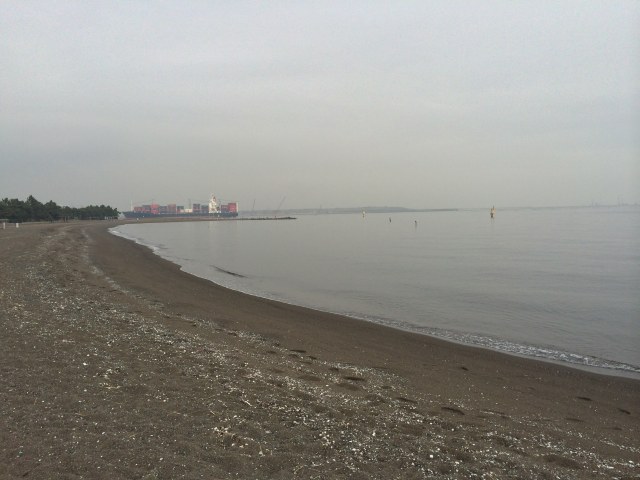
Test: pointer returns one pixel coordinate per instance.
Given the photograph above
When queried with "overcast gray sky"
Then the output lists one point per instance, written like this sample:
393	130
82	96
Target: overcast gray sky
419	104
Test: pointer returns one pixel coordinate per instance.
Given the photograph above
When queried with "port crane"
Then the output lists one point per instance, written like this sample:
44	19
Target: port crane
280	205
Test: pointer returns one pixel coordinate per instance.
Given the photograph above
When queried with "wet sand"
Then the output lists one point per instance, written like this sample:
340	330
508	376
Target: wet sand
115	364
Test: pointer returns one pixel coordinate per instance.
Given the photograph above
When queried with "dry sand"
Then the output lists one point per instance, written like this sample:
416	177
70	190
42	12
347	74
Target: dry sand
115	364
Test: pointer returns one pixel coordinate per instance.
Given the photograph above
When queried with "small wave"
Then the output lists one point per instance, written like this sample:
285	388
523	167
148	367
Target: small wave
228	272
530	351
542	353
118	233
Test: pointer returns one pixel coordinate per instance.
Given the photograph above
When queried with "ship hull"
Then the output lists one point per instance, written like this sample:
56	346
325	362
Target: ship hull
137	215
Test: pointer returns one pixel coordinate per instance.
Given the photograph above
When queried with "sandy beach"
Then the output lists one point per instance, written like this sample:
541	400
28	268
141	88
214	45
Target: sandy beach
115	364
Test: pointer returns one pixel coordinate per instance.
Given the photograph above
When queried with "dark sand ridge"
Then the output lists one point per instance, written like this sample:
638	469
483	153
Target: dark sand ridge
114	363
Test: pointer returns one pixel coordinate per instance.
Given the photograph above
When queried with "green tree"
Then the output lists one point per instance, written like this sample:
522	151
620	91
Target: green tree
32	210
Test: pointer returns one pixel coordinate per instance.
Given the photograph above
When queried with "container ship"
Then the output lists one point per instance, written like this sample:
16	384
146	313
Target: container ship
214	209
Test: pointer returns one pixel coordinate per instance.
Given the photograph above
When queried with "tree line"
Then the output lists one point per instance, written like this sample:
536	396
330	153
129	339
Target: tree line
31	210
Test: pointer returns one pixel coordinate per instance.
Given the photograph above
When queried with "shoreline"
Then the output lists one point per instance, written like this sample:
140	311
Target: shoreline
517	349
115	363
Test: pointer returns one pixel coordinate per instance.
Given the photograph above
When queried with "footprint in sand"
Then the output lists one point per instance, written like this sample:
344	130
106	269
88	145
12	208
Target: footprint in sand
348	386
562	461
453	410
354	378
406	400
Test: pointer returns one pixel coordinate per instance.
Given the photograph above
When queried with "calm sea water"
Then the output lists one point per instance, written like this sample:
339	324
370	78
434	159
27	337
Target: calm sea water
560	284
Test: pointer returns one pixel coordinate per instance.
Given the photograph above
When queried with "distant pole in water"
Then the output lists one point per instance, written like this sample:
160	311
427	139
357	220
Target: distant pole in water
492	213
416	223
389	219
